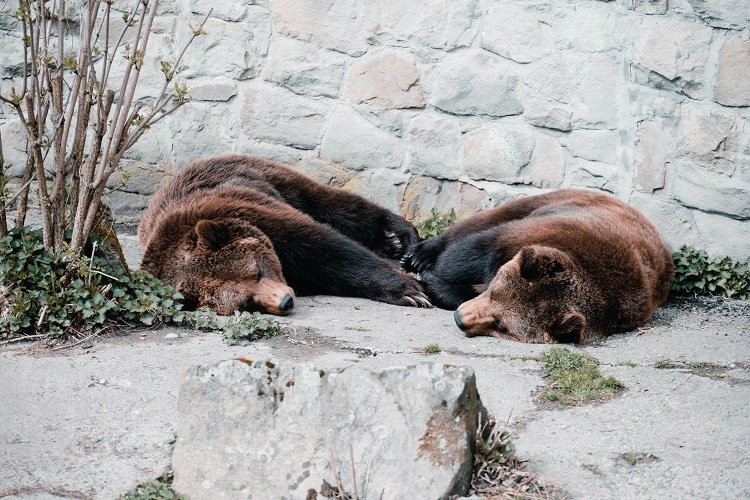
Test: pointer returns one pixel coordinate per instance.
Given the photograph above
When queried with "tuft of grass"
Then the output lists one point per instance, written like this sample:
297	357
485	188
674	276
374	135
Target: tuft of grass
575	378
432	349
156	489
435	224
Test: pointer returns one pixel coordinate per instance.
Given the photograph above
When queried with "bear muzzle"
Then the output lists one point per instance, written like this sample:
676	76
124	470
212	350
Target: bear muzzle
273	297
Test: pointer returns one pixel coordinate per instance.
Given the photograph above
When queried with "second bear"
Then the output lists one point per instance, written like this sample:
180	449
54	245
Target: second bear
566	266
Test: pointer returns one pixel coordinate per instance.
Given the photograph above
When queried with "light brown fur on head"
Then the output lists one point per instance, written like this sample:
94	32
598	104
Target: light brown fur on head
226	265
529	300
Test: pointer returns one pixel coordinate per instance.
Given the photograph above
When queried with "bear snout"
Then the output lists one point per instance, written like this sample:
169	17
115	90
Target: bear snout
287	303
459	320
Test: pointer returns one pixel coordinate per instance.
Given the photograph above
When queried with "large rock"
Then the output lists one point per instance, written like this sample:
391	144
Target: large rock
498	152
730	14
595	103
711	191
281	117
422	194
595	145
388	81
434	146
732	82
585	27
651	149
303	68
476	83
332	24
524	40
420	23
709	137
672	55
358	144
268	430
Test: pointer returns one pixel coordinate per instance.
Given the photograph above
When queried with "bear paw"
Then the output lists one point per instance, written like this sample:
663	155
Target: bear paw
424	255
398	238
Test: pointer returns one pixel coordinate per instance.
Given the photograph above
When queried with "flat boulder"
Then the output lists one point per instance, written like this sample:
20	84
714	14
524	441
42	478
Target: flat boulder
268	429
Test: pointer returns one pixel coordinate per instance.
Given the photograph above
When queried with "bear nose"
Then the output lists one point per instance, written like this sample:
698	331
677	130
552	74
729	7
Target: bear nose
459	320
287	302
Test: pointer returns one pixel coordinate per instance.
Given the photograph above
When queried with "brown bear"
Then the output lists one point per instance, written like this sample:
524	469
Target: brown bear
566	266
243	233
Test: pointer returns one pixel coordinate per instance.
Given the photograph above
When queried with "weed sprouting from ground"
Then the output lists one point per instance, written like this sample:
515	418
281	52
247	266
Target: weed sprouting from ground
575	378
435	224
156	489
240	329
432	349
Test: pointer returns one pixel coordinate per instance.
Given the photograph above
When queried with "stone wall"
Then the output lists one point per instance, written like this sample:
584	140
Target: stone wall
465	104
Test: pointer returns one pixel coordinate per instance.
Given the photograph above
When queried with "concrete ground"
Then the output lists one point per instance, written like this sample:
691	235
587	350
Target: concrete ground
93	420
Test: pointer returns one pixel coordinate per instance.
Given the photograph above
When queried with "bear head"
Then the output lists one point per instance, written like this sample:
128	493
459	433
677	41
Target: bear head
226	265
538	297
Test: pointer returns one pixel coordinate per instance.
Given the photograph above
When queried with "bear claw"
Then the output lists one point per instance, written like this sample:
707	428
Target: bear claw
418	300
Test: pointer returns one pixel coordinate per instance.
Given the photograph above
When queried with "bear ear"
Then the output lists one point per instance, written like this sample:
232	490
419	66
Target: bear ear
212	235
537	263
569	328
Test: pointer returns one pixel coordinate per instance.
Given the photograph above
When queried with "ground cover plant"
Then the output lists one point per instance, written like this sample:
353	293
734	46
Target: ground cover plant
64	296
696	272
435	224
575	378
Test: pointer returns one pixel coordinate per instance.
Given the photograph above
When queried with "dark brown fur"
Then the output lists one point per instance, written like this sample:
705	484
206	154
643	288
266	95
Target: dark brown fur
565	266
231	232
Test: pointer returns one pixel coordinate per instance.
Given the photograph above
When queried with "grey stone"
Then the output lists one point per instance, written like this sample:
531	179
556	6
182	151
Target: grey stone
594	145
257	430
732	82
594	103
650	6
543	112
434	146
332	24
523	40
126	207
422	194
676	223
198	130
325	172
730	14
388	81
281	117
711	191
720	236
584	27
547	165
552	78
229	49
219	89
709	137
671	55
420	23
303	68
475	83
651	156
498	151
357	144
384	187
594	174
226	11
14	146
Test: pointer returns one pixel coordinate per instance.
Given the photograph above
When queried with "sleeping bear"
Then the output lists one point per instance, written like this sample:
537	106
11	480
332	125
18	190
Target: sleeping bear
244	233
566	266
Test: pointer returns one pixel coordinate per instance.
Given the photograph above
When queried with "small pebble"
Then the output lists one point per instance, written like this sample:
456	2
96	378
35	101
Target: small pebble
172	336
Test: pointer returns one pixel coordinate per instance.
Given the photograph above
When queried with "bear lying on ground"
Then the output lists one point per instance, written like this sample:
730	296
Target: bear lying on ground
565	266
244	233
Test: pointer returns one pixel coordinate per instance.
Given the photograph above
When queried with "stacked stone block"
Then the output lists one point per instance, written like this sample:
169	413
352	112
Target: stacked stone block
465	104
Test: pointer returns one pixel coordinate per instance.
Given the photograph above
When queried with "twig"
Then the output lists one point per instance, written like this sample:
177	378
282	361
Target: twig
79	342
28	337
335	474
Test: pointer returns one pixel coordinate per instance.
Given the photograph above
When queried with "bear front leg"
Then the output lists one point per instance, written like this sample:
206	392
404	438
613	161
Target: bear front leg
424	255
